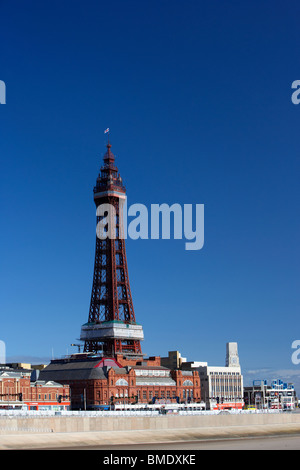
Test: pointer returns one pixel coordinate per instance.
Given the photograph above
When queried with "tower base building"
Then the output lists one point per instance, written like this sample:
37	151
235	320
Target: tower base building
97	382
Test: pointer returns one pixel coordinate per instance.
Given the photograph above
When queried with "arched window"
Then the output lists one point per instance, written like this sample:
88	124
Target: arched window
122	382
188	383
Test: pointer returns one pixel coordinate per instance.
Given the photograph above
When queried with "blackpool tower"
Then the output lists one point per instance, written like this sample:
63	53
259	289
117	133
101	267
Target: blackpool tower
111	328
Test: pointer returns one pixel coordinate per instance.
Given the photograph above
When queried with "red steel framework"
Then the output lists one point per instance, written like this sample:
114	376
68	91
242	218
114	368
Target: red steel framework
111	305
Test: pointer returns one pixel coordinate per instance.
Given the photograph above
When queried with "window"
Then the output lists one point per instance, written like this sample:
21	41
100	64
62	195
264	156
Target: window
122	382
188	383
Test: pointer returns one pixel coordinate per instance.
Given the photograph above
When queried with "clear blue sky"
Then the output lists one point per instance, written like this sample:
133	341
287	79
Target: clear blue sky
197	95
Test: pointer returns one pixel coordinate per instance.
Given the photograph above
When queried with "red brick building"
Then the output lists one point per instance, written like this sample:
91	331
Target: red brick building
96	381
17	391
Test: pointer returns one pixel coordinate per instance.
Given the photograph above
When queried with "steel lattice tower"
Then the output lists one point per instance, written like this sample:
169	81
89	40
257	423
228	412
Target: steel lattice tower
111	327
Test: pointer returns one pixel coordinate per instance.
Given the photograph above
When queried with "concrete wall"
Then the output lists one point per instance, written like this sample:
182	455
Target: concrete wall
62	432
73	424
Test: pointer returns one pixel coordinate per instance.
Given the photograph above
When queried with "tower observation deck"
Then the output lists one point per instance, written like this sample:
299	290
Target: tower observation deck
111	328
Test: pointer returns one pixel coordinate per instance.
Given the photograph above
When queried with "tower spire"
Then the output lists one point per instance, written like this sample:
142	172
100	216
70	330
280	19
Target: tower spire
109	156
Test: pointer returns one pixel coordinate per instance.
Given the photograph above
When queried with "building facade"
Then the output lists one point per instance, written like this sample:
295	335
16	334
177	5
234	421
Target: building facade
174	360
19	392
279	395
96	381
221	386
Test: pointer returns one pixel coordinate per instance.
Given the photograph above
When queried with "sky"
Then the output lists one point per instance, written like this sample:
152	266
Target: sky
197	97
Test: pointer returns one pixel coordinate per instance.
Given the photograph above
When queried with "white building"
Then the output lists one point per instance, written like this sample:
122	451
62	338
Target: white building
221	387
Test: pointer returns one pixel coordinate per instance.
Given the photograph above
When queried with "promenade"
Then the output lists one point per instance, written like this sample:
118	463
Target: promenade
61	431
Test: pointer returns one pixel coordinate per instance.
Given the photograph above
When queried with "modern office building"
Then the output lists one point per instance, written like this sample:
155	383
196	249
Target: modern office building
221	386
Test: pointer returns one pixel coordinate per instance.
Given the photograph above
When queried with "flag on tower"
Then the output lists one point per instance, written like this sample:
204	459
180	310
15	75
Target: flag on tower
106	130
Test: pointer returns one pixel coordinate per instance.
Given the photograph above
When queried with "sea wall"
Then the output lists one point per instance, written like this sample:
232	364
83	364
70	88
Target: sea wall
56	432
59	424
